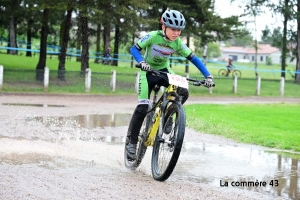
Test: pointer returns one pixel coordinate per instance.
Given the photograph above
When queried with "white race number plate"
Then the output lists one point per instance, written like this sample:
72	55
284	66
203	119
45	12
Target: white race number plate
178	80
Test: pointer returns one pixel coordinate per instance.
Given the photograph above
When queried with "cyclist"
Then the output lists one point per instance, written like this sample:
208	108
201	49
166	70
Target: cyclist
106	56
159	45
229	65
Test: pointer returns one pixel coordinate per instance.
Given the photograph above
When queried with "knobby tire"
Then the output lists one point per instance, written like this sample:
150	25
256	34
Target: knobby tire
163	164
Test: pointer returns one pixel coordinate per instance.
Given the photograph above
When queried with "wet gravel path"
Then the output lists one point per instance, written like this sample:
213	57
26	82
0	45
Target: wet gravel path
53	161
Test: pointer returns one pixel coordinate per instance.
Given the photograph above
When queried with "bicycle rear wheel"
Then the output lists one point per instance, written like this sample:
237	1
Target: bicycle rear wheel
222	73
141	147
168	143
236	73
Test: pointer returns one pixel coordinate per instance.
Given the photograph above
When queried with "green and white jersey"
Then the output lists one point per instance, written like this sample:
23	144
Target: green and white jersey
159	50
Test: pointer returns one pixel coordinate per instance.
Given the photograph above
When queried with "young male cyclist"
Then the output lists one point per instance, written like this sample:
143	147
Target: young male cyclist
159	45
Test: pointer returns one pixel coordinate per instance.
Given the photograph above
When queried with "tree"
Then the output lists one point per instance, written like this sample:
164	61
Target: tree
284	8
244	41
85	36
30	23
65	40
125	20
297	74
12	8
43	45
213	49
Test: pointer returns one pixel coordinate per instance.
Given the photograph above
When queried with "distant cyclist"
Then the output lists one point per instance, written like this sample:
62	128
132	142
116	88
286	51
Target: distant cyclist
159	46
106	56
229	65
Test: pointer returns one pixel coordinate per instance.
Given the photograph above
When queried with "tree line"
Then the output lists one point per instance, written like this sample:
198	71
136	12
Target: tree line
287	40
98	18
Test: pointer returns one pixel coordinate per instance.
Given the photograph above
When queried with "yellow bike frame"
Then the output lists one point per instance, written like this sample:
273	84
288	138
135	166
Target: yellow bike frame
154	128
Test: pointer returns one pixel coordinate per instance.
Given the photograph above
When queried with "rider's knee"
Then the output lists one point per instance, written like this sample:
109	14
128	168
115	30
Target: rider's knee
141	110
184	93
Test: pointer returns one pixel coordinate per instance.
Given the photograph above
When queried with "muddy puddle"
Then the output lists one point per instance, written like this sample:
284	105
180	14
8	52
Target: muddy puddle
89	121
259	170
275	173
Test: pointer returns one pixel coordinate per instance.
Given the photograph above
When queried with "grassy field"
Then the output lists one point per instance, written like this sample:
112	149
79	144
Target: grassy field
22	69
265	71
269	125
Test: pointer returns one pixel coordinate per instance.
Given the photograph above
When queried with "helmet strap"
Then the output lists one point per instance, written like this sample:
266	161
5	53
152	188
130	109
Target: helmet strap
166	37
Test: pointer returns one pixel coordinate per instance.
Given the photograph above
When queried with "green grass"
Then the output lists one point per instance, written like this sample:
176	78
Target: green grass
270	84
247	69
269	125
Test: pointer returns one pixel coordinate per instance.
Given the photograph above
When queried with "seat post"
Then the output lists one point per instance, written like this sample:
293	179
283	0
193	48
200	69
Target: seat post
155	89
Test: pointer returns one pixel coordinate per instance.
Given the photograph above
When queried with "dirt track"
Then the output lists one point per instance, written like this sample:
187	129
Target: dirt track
53	162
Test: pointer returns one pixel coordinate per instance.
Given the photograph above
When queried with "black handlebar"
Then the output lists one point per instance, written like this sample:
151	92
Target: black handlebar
138	65
195	81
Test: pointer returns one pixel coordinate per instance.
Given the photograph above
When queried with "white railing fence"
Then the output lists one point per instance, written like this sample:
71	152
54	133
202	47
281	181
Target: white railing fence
113	81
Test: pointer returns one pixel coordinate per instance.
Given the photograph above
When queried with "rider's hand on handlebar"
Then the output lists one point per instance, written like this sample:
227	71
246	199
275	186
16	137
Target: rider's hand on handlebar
209	82
145	66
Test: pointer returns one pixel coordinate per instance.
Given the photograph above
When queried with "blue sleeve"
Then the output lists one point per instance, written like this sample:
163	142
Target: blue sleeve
197	62
136	54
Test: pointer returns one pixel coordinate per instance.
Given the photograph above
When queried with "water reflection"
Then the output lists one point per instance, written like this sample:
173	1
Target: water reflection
112	120
221	165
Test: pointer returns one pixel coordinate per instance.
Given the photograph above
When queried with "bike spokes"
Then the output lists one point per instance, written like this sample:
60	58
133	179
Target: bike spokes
167	146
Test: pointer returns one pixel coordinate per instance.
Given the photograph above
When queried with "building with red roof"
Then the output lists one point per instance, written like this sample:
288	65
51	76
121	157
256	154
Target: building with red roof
247	54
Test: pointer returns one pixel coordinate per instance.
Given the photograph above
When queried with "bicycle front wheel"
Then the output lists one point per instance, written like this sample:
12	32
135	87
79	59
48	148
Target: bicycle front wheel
168	143
236	73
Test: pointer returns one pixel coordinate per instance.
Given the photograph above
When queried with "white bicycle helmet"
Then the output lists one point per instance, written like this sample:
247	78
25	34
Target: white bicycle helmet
173	19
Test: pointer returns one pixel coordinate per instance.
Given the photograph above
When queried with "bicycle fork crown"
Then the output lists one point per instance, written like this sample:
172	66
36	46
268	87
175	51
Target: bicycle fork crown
172	88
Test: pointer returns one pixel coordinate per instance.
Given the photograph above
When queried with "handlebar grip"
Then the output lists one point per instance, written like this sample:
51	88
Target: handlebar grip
138	65
199	83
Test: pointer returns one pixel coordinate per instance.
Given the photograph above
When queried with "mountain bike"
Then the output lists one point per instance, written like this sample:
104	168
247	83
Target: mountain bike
163	127
234	72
